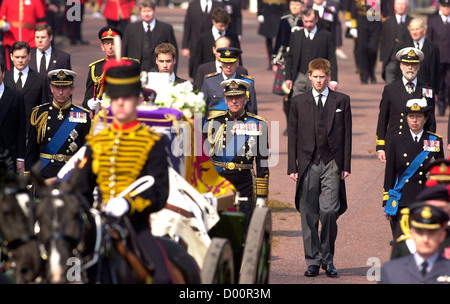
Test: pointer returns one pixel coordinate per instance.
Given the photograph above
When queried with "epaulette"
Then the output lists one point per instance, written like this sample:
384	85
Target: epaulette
81	108
248	77
439	136
256	116
95	62
42	105
215	115
129	58
212	74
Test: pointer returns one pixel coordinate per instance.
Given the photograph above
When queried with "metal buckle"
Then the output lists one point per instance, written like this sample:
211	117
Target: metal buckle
60	157
231	166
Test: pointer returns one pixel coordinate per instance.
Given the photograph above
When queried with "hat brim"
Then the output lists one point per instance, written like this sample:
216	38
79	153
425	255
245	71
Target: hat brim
228	60
418	225
61	83
235	93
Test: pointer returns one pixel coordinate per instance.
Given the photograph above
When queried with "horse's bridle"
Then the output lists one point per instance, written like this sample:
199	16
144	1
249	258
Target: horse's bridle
24	239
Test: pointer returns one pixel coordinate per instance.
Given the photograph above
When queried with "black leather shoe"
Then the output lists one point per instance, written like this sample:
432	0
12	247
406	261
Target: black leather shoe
364	81
373	79
330	270
312	271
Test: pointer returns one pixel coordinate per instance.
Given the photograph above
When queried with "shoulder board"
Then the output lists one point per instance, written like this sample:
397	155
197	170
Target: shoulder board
217	115
246	76
95	62
255	116
42	105
212	74
129	58
439	136
81	108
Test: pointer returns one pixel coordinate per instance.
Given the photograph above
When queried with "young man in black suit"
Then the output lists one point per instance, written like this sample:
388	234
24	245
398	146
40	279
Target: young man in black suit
45	57
25	80
166	55
391	118
220	21
215	65
12	126
319	160
304	46
141	38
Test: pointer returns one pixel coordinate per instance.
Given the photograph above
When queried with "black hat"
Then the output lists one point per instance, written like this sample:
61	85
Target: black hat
61	77
234	87
424	216
229	54
109	32
409	55
417	105
122	78
435	193
444	2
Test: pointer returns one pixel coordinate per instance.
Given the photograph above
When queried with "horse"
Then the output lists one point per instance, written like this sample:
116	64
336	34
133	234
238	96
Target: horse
84	245
17	228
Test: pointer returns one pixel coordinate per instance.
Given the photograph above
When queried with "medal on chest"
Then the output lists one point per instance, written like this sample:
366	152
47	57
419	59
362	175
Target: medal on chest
431	145
79	117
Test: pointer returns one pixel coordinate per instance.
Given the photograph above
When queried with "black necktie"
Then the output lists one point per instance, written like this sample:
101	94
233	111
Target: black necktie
320	104
416	139
423	270
149	35
43	66
19	82
417	45
206	8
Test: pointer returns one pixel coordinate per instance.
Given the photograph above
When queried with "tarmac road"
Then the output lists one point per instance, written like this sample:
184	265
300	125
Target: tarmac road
364	234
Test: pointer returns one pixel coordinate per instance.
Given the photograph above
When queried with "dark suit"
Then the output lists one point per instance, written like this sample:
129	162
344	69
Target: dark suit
330	20
209	68
134	42
402	151
234	9
203	52
12	124
391	118
302	50
308	133
405	271
58	60
439	33
34	91
392	34
196	22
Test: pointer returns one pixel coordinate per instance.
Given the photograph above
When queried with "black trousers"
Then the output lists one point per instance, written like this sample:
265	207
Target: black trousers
367	46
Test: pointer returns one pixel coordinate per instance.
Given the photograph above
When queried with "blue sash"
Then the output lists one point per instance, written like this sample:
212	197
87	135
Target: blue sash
395	194
59	138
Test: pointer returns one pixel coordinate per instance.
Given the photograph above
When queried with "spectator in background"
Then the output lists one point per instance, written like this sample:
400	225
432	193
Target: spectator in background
118	13
74	19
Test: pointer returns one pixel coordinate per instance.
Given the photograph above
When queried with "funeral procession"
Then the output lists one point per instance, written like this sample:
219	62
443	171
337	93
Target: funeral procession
266	143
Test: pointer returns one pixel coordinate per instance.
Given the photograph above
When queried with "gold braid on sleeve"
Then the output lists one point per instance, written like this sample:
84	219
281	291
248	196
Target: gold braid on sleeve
219	134
262	186
40	123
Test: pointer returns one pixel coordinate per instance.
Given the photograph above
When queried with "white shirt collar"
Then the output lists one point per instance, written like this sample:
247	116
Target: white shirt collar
2	89
172	77
419	260
419	136
218	67
400	18
421	41
226	78
324	94
312	33
405	81
24	72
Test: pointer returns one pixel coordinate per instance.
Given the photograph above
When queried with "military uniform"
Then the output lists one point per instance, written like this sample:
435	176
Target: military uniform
94	87
56	132
404	152
119	155
214	93
391	118
236	143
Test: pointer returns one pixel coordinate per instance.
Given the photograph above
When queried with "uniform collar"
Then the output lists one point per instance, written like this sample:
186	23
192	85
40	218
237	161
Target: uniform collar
116	126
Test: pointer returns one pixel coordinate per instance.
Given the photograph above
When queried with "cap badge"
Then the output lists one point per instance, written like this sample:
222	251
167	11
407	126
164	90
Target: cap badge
426	212
228	53
415	107
443	168
234	85
110	32
61	75
412	53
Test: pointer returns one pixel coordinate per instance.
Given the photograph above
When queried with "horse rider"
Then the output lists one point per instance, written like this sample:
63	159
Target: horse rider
120	154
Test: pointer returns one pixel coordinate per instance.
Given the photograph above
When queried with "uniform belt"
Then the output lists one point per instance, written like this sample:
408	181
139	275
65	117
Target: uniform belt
232	166
27	25
57	157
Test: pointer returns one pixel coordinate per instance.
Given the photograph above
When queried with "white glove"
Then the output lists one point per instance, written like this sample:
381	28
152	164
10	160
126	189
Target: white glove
348	24
260	18
133	18
354	32
260	202
96	15
5	26
117	207
93	104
